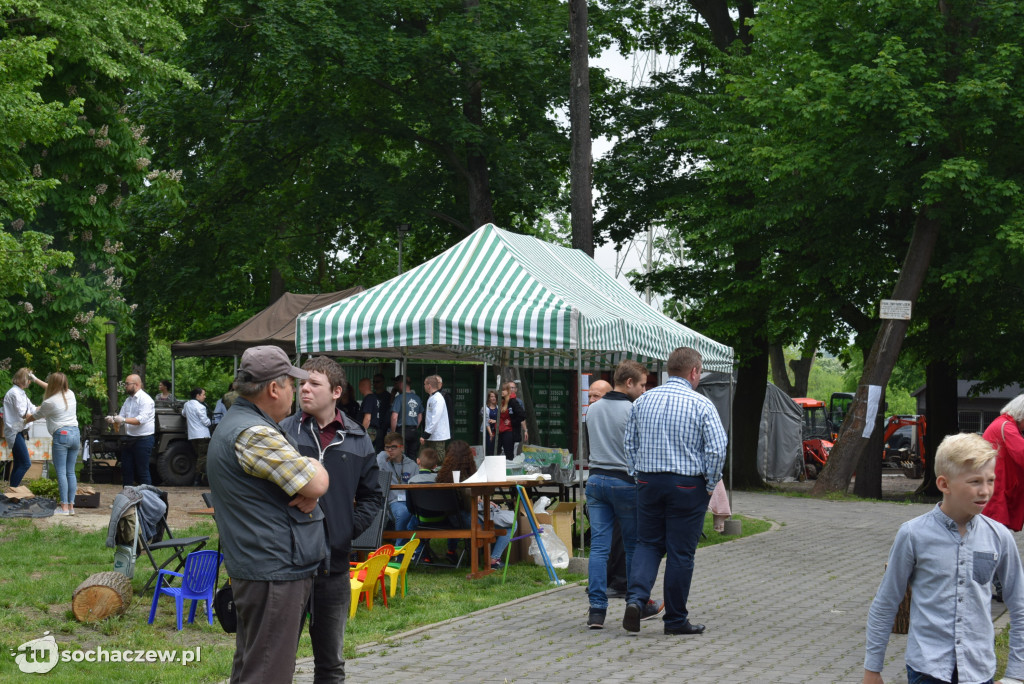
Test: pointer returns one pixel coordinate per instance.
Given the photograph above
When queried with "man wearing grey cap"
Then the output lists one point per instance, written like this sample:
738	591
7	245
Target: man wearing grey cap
271	527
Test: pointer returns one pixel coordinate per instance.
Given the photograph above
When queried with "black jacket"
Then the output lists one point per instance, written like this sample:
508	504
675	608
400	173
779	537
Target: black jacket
351	463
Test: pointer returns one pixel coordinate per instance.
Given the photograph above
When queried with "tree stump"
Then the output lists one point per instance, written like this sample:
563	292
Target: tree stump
100	596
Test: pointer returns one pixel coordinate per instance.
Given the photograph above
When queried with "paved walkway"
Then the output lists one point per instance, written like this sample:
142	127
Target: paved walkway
787	606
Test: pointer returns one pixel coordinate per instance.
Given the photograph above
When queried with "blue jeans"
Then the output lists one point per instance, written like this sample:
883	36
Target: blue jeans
135	461
670	518
66	445
331	596
608	499
915	677
499	545
22	462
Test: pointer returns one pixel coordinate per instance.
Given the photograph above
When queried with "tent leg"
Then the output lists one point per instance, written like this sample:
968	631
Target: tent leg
579	435
483	414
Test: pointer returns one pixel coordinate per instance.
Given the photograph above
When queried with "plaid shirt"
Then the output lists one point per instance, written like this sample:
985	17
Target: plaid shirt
265	453
673	429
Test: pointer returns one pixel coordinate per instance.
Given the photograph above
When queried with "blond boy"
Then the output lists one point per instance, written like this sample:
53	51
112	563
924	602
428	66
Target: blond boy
948	557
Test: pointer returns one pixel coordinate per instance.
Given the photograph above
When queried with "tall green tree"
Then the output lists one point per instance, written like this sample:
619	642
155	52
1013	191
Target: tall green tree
71	153
321	126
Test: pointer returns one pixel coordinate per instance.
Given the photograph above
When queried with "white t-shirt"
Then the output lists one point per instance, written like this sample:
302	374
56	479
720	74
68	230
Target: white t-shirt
56	414
16	405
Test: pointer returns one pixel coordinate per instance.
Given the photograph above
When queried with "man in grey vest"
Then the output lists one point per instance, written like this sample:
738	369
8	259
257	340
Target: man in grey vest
271	526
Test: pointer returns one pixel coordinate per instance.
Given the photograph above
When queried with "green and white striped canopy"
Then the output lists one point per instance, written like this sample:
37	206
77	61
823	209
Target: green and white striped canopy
503	298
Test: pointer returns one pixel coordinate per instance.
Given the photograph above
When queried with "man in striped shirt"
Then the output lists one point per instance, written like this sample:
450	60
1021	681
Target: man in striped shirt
676	445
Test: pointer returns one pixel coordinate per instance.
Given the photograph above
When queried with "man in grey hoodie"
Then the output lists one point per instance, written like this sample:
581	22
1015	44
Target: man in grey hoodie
611	489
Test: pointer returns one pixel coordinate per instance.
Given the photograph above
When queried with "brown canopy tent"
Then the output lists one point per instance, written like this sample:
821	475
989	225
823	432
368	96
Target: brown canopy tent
273	325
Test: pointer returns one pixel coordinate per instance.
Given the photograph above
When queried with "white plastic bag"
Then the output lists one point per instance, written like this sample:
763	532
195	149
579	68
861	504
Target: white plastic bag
557	552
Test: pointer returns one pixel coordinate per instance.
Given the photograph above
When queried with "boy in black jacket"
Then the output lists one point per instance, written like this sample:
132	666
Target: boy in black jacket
322	432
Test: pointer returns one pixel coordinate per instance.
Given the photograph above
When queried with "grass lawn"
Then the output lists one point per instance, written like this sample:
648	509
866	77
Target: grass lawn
42	567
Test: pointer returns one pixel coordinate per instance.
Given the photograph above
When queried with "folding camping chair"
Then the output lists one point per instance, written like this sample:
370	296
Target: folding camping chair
139	521
370	538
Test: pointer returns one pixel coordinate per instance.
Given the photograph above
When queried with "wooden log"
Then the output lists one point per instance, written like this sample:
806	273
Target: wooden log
100	596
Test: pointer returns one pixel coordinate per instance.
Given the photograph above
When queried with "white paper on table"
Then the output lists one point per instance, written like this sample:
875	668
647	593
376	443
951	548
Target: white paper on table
494	468
479	476
874	394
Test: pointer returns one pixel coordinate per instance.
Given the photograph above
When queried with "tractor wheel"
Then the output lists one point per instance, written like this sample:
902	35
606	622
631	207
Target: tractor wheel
177	465
811	470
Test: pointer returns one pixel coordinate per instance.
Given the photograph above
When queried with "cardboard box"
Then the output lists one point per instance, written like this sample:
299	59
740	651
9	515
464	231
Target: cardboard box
562	514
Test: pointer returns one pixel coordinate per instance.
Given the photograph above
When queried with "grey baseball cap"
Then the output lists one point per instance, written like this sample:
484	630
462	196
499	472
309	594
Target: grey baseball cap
267	363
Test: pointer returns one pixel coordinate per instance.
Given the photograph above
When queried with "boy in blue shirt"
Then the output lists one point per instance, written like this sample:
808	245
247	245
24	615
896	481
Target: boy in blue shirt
948	557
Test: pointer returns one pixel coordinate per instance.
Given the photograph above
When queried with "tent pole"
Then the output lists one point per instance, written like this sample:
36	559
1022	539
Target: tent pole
579	432
483	421
732	390
403	406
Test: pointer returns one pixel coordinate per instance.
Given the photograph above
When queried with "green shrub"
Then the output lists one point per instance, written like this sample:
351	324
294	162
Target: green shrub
45	488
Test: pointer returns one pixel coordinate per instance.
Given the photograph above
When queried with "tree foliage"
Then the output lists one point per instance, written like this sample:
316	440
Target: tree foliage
320	127
71	153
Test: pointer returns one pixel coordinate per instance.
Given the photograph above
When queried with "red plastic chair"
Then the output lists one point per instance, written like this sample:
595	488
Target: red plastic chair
389	551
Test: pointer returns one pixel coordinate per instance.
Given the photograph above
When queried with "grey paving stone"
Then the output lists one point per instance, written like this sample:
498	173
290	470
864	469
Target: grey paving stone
785	606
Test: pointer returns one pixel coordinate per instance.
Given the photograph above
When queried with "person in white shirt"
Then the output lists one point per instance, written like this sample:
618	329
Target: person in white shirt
60	410
198	421
138	413
16	407
436	431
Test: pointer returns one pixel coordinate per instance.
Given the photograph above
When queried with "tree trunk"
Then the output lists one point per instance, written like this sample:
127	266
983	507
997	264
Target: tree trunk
940	398
802	371
481	204
580	194
869	468
751	382
780	374
885	351
101	595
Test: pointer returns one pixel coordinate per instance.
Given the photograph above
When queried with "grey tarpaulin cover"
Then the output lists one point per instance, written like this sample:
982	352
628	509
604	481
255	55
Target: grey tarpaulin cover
780	450
780	443
36	507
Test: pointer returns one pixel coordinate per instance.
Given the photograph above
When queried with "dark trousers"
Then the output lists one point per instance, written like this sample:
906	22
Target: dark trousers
269	619
412	441
617	579
22	462
915	677
199	448
135	461
331	597
508	444
670	518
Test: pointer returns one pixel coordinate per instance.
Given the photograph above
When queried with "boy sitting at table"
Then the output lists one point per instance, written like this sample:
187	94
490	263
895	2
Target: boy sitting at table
427	461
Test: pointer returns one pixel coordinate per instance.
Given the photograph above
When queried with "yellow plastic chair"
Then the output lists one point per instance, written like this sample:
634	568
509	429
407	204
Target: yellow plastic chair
396	571
364	578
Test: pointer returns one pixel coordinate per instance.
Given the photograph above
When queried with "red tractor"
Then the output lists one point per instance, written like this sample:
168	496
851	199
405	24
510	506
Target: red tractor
817	435
904	445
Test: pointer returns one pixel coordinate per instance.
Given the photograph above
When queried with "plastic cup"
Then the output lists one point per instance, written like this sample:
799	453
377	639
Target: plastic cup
455	476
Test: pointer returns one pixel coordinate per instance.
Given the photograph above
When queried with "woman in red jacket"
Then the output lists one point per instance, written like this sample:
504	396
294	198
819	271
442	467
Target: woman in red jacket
1007	502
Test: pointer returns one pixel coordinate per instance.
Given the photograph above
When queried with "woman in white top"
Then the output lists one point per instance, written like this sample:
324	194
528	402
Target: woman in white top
60	409
16	407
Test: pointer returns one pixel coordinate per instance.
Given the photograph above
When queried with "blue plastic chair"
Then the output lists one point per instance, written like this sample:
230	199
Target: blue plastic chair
198	582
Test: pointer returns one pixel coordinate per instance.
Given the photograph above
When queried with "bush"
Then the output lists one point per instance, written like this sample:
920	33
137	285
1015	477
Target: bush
48	489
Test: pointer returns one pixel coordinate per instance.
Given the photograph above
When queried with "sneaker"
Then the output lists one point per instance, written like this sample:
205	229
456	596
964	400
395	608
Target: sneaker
596	618
453	558
652	609
631	619
495	564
